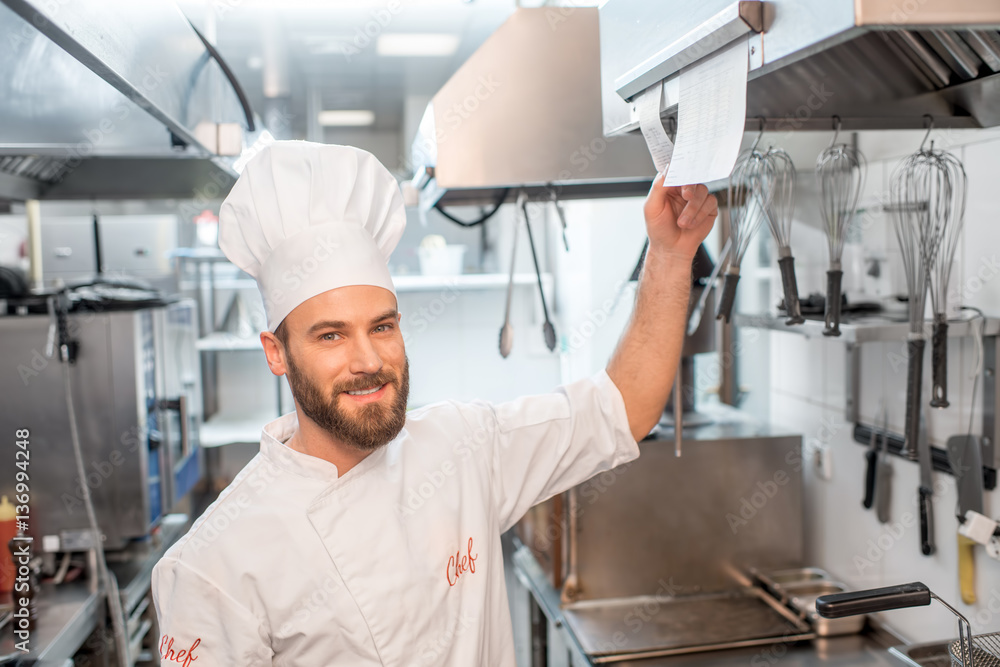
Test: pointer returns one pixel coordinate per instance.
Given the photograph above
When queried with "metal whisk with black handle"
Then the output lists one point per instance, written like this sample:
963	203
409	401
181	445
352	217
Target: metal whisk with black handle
945	185
909	218
840	173
779	219
749	195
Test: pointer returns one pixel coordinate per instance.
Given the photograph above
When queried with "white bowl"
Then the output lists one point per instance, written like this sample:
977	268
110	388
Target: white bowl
446	261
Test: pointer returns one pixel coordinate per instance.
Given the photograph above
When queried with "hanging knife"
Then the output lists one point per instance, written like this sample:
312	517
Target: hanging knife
883	474
965	457
871	460
926	490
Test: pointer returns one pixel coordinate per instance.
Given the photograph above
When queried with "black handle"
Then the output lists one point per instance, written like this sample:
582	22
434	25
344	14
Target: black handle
939	363
873	600
926	522
914	385
791	288
871	457
728	297
833	303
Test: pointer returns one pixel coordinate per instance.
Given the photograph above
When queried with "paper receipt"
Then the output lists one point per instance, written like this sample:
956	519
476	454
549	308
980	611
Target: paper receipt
711	117
659	144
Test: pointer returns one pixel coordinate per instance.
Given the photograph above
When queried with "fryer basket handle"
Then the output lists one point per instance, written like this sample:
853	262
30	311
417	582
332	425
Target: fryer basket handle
869	601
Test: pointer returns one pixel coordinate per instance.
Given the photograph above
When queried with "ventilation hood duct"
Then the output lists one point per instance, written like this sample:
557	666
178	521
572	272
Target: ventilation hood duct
877	64
114	99
524	112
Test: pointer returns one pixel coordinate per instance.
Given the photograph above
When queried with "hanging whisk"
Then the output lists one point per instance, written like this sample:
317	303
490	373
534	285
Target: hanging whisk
840	172
750	187
911	216
779	219
939	178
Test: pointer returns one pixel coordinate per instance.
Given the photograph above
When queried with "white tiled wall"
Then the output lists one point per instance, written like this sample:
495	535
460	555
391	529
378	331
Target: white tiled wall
808	395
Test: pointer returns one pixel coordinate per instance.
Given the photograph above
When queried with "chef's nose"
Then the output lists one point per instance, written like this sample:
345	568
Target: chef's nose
365	359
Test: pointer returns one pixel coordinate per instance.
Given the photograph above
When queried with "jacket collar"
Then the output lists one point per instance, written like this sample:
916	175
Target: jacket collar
273	448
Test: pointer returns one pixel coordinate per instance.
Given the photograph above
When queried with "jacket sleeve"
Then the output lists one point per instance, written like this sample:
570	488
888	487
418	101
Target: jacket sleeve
200	624
548	443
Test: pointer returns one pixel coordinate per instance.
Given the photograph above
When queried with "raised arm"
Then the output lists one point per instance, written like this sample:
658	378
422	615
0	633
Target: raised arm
643	365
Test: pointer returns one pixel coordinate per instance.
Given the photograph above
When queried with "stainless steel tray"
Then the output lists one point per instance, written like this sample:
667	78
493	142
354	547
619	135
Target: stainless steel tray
649	626
778	580
929	654
802	598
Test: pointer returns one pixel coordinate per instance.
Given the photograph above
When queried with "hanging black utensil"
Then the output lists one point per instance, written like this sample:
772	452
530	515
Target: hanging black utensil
547	328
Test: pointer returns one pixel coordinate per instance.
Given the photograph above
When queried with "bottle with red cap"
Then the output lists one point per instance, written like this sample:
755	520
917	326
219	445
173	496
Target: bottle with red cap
8	529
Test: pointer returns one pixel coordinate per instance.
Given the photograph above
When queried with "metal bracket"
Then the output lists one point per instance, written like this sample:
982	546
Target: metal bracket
852	380
990	398
732	22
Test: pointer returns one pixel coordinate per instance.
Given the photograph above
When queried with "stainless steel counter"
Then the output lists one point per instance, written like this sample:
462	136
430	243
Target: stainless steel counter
69	613
867	649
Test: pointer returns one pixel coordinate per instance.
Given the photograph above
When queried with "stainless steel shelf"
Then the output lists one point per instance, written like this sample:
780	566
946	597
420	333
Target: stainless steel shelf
229	429
466	281
868	329
221	341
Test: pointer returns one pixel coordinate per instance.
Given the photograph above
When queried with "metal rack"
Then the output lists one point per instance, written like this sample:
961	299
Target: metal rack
869	329
212	342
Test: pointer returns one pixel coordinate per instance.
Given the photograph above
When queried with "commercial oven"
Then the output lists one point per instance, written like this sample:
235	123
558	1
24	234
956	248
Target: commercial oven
135	386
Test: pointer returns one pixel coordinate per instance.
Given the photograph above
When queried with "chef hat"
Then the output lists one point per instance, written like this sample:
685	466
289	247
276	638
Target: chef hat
304	218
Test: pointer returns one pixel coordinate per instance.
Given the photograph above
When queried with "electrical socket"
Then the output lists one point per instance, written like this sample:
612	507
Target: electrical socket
823	461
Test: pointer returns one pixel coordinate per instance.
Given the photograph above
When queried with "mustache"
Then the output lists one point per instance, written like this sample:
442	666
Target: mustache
368	381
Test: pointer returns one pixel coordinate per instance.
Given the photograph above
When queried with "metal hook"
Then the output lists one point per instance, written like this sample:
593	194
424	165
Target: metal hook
836	131
929	124
760	133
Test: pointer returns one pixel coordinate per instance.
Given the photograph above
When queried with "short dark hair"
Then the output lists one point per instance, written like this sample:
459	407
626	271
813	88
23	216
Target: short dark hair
281	333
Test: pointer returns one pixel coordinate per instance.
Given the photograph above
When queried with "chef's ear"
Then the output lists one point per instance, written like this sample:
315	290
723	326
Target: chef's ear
274	350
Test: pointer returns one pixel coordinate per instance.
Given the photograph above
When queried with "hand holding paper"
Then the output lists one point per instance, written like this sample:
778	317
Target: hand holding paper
678	218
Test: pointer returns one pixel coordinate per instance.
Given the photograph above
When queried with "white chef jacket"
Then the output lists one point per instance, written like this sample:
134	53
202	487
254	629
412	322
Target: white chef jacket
398	561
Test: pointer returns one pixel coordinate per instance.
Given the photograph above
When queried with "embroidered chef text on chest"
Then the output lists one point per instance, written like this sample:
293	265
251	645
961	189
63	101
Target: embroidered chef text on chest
182	656
459	564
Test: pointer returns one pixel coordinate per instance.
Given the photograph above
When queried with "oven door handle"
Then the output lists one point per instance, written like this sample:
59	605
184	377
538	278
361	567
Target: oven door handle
180	404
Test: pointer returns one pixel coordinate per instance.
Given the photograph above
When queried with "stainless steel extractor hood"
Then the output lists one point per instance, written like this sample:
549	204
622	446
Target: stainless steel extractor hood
524	112
113	99
876	64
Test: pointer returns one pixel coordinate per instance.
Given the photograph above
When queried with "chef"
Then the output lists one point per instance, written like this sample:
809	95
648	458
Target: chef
363	534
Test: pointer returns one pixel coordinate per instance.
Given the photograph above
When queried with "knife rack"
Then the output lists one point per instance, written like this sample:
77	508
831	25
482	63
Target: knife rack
988	409
939	457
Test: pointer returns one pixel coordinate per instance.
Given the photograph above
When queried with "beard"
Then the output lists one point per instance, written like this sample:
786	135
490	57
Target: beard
372	425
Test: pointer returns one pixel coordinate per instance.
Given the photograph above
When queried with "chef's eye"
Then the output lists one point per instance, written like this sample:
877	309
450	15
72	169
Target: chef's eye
328	336
382	328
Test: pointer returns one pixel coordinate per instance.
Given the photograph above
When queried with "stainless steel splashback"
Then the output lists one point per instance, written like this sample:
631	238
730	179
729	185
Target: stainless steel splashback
878	64
663	525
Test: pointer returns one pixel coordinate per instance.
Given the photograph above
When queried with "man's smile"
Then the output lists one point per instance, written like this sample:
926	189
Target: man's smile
368	395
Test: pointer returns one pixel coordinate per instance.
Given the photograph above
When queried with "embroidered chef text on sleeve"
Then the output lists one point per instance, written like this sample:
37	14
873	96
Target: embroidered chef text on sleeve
202	625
